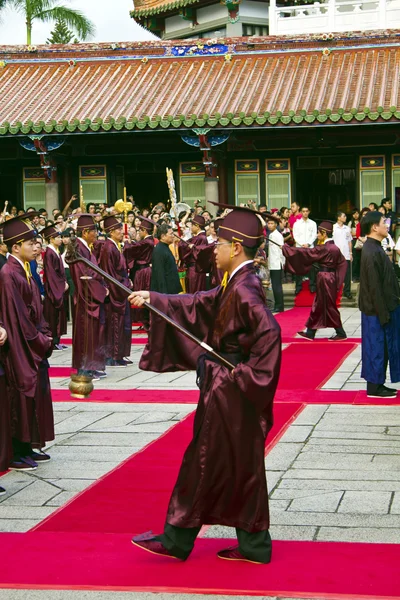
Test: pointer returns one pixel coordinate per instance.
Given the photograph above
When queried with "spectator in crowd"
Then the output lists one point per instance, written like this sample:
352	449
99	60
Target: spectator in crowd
387	204
373	206
275	263
263	208
164	276
379	302
304	235
295	214
91	208
3	252
355	219
344	241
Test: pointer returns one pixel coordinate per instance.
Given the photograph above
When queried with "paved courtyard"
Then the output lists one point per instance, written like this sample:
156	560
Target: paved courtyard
333	476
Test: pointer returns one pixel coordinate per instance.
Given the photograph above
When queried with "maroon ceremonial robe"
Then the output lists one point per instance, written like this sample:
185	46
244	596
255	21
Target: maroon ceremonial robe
54	286
25	361
138	257
118	312
6	451
196	274
330	278
206	261
88	336
222	477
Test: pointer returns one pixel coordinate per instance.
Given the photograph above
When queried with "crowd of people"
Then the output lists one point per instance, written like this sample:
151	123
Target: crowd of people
154	250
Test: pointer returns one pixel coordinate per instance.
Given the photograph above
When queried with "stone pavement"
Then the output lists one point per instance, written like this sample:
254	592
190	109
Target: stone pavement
333	476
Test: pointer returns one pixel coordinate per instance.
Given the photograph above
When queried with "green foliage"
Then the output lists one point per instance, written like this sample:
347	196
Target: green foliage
61	34
49	11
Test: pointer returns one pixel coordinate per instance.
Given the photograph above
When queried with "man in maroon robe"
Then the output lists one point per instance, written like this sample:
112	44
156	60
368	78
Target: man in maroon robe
55	286
118	310
222	477
138	256
189	253
5	414
330	278
28	345
88	336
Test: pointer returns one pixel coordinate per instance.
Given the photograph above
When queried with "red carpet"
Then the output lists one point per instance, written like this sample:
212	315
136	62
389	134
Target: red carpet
307	367
134	497
290	340
292	321
191	397
305	297
136	340
110	562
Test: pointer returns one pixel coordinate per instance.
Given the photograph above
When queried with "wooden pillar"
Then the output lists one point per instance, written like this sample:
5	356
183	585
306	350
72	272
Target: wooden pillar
222	181
52	197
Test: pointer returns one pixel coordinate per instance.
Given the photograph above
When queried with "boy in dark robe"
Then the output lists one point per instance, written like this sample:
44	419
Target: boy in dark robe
139	256
379	303
164	275
55	286
196	275
222	477
330	278
5	414
118	310
28	345
88	336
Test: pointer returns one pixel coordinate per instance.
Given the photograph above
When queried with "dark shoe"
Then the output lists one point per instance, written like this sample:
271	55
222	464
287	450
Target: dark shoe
58	347
276	311
19	465
29	461
390	390
2	491
99	375
39	456
234	554
313	290
152	545
128	360
117	363
349	297
382	392
64	346
338	338
304	334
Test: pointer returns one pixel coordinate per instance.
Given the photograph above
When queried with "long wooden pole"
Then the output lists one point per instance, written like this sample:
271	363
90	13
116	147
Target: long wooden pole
72	258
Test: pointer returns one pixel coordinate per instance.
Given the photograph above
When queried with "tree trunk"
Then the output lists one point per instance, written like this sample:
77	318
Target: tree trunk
28	32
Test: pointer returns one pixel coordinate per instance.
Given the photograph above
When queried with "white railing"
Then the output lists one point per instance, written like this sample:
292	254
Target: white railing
334	15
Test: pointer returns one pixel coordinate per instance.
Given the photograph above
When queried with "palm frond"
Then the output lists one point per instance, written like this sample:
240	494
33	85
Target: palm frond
74	19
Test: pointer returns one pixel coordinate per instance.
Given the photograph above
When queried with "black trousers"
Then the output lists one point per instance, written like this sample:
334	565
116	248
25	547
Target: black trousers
276	281
312	277
180	542
347	280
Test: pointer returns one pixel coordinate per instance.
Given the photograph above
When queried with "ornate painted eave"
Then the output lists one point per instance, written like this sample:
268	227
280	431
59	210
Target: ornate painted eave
147	8
242	82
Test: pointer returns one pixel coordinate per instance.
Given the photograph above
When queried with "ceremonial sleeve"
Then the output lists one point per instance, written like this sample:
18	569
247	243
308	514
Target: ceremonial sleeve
203	256
185	252
109	262
26	347
300	260
54	279
167	349
138	251
258	377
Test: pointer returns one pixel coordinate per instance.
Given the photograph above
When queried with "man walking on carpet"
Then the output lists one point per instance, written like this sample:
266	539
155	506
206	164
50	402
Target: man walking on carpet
379	303
222	477
330	278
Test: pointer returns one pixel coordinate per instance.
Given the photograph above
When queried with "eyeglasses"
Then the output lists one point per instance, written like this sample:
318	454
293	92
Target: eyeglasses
222	243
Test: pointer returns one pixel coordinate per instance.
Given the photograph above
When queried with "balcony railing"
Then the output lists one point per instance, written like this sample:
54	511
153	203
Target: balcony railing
334	15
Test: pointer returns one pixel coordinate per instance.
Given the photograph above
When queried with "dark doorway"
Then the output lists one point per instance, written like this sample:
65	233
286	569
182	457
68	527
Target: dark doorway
9	188
147	189
326	191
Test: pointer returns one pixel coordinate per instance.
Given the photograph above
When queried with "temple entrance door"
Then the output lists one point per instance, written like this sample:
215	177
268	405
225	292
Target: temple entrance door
9	189
326	191
147	189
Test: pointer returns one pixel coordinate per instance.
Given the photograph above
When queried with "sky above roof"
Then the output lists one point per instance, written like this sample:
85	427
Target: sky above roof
112	20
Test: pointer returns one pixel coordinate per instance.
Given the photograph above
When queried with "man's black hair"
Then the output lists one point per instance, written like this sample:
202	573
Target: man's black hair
91	204
340	213
304	206
250	253
384	200
163	230
370	219
374	205
295	202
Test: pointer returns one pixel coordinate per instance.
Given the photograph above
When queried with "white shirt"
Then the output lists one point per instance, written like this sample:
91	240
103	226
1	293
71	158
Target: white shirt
388	243
342	237
305	232
246	262
275	255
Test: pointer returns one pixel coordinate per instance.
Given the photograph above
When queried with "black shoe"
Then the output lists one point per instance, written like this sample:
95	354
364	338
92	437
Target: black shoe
117	363
100	374
338	338
349	297
390	390
2	491
382	392
304	334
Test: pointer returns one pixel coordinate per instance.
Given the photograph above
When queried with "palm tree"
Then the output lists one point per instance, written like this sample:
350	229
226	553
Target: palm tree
50	10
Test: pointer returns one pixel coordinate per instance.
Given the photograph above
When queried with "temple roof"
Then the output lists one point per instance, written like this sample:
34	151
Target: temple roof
240	82
145	8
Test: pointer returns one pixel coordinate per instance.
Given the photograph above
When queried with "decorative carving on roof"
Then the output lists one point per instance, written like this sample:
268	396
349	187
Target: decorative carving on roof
145	8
